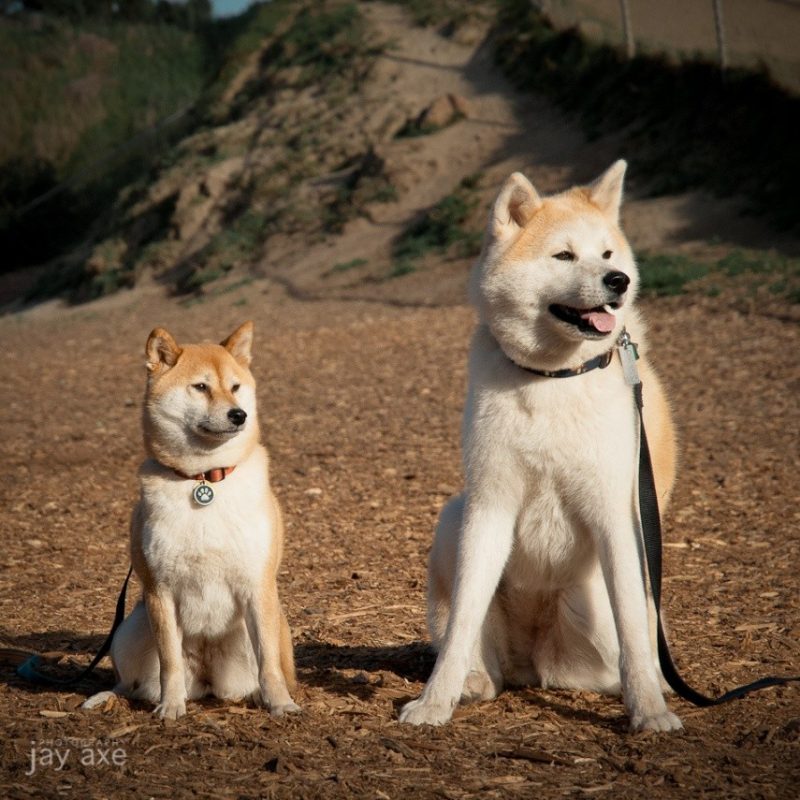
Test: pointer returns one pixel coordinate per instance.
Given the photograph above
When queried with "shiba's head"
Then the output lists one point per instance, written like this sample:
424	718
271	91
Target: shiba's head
200	401
556	276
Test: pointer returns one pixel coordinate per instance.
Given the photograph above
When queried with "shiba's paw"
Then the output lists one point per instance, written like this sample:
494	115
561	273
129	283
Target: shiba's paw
284	708
424	712
478	686
171	709
664	721
97	700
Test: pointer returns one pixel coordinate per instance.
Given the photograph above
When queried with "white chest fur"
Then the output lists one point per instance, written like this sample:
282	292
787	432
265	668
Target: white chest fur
559	452
211	558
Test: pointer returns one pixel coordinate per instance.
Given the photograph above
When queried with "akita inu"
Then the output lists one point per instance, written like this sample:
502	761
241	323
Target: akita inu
206	539
535	575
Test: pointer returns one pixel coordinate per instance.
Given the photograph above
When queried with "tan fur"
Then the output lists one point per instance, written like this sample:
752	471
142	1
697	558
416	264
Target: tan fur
210	604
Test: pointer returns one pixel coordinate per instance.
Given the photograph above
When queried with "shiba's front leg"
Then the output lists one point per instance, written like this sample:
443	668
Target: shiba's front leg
483	550
164	623
269	635
641	689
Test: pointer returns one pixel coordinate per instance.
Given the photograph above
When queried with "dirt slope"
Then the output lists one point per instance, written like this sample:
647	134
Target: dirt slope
361	404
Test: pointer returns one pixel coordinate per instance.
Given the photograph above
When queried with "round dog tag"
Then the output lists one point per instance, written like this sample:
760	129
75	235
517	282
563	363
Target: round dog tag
203	494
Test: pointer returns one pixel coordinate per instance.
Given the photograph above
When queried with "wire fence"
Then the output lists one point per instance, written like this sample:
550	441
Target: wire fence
751	34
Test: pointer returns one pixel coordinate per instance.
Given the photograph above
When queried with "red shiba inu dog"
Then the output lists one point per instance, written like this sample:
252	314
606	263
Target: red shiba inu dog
206	539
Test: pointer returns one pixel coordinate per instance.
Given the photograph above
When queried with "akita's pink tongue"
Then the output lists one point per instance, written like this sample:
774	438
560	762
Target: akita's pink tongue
600	320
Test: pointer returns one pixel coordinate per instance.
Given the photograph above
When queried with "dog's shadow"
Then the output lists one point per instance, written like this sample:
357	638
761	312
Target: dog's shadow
56	648
319	664
344	670
323	665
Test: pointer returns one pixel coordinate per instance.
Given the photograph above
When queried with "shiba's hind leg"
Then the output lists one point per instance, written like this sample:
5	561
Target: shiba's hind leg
135	660
485	679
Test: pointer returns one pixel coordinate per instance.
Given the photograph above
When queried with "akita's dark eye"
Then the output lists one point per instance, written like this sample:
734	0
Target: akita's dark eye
565	255
201	387
236	387
607	255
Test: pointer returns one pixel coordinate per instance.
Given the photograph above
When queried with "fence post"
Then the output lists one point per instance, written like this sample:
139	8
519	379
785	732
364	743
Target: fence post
719	25
627	29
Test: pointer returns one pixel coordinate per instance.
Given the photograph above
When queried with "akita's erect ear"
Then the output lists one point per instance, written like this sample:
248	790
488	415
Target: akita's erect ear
240	342
606	191
514	207
161	350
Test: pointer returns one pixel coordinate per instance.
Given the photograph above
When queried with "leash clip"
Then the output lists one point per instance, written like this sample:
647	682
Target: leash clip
628	355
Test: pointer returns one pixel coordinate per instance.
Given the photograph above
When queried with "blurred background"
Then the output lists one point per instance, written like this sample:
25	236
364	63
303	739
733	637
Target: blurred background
189	142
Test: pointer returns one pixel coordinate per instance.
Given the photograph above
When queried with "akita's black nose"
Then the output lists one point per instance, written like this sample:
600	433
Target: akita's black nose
616	281
237	416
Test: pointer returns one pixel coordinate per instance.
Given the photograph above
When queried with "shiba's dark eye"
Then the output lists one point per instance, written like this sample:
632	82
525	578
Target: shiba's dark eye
565	255
236	387
607	255
201	387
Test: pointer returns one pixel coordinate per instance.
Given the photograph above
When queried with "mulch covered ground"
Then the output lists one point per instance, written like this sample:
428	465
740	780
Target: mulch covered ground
361	404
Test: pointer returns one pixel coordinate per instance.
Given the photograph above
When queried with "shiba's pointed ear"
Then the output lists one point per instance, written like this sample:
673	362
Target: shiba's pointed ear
606	191
161	350
514	206
240	342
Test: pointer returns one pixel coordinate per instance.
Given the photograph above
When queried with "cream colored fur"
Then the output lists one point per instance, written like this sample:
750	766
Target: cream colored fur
210	621
534	575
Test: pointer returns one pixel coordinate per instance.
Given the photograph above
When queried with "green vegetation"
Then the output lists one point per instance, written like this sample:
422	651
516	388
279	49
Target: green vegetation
426	13
345	266
323	45
683	126
73	97
85	95
447	228
665	274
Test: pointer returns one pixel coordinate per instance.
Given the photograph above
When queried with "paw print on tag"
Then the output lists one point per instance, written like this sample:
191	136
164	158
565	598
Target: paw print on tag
203	494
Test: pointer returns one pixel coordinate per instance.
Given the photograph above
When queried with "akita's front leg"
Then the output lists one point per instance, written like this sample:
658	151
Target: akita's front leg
483	549
264	618
164	623
622	570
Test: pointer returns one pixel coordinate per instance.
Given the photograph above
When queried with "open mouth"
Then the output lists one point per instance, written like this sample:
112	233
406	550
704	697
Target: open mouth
593	322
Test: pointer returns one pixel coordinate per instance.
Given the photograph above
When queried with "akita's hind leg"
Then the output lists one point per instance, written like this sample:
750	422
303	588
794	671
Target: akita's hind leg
485	678
578	647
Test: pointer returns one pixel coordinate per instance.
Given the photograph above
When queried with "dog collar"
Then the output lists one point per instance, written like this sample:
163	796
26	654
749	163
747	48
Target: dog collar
203	494
628	353
211	476
598	362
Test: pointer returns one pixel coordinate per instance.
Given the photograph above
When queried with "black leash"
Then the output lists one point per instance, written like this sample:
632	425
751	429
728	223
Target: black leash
651	533
29	669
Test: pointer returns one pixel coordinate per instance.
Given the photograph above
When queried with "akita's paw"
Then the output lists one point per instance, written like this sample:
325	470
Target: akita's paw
424	712
478	686
664	721
170	709
279	710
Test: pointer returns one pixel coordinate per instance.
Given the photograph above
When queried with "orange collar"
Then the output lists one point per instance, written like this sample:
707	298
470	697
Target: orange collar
211	476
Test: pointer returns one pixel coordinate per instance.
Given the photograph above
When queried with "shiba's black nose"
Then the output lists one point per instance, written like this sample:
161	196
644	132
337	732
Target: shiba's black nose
616	281
237	416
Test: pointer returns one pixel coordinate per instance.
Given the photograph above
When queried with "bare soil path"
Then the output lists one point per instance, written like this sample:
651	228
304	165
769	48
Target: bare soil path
361	404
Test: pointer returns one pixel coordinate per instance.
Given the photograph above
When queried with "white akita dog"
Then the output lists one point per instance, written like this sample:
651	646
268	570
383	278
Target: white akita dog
535	575
206	539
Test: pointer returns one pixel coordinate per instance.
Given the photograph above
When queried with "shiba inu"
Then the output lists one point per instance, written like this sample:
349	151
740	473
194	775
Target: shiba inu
535	575
206	539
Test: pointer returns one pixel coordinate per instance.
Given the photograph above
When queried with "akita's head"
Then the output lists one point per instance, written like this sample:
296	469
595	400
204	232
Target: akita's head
556	276
200	401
